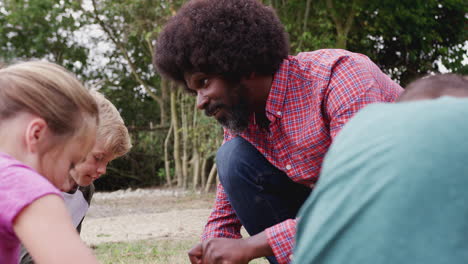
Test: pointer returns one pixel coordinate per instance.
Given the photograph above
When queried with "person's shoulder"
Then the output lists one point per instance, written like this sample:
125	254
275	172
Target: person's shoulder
320	64
10	164
20	186
328	56
428	117
433	129
15	173
443	109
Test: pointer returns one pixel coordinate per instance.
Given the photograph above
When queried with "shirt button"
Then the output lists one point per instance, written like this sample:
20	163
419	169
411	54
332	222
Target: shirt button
278	113
288	167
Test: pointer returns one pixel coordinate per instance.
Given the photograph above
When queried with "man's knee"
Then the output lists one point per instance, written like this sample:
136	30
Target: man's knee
233	160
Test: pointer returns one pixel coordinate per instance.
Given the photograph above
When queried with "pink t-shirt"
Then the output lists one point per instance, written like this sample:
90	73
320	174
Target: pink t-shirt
20	185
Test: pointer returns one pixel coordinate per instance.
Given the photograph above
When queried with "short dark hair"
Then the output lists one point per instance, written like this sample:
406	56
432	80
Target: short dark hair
228	38
434	86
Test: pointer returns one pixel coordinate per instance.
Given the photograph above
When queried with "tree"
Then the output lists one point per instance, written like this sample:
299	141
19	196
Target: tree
42	29
132	26
408	38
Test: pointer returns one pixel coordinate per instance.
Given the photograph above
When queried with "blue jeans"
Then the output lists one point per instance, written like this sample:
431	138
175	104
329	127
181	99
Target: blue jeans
260	194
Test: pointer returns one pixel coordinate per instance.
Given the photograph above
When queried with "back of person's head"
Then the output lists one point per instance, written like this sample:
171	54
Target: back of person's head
111	132
48	91
226	38
434	86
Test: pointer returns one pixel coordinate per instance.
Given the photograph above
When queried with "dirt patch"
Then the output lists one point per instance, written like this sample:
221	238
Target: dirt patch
146	214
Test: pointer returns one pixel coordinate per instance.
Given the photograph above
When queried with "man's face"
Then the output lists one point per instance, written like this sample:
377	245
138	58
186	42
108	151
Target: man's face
224	101
93	166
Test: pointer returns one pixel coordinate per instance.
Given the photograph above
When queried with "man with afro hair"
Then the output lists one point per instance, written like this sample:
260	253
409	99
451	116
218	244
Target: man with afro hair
280	114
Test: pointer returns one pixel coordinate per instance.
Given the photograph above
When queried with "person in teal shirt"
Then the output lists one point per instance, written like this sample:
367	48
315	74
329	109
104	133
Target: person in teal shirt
393	187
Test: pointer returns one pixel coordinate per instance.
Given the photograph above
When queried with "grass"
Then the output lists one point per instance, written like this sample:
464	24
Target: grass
156	251
161	250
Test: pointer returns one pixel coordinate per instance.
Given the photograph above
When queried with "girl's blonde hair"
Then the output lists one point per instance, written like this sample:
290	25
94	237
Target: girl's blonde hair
49	91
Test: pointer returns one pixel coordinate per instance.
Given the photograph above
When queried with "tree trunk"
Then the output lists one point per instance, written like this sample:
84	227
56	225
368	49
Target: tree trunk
342	23
167	162
185	163
196	168
203	175
306	15
195	150
175	124
164	92
210	178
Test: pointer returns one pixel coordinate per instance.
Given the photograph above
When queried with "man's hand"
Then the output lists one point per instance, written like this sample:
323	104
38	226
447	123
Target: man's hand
196	254
230	251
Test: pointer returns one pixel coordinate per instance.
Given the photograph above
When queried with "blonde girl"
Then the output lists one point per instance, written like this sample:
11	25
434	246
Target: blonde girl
47	125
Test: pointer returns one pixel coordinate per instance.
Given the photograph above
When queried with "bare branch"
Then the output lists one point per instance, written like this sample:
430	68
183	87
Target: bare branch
124	51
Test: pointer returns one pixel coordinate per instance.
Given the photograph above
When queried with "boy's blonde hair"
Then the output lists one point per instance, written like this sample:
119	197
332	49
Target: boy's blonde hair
111	130
49	91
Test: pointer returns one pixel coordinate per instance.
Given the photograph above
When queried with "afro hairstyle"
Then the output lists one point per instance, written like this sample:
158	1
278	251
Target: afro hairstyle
226	38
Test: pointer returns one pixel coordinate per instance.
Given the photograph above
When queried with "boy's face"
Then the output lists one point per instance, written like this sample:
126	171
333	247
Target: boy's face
94	165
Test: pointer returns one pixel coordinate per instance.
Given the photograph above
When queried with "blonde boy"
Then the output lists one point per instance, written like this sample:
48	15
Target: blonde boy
112	141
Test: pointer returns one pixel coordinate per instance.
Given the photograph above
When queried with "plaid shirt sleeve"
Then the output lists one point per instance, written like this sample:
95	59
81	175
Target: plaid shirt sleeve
281	239
223	221
354	83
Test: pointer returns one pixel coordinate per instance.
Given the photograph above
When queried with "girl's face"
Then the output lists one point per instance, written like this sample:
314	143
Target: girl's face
57	163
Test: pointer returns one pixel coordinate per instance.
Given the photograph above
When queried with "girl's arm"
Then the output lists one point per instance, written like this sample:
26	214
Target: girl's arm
46	230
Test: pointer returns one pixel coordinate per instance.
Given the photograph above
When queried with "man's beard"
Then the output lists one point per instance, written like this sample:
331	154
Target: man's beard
236	118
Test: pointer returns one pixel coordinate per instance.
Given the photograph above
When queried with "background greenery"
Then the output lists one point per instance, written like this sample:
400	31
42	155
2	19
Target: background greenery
109	45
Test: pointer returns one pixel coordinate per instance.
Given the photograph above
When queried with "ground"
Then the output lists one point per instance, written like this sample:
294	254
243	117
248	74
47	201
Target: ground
146	214
157	226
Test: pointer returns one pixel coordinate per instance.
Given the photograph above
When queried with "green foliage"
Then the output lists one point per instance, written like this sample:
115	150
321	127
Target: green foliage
162	173
42	29
306	33
139	168
407	38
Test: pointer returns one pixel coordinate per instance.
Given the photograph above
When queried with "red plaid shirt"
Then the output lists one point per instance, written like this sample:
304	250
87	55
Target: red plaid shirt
312	96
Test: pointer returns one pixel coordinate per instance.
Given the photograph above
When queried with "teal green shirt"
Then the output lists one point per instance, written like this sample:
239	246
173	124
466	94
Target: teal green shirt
393	189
